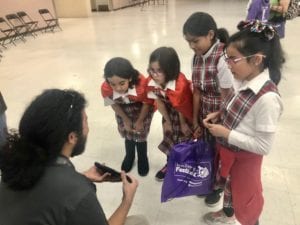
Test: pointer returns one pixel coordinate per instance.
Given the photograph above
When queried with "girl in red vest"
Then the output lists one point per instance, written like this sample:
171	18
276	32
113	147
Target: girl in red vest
246	124
211	77
173	96
125	91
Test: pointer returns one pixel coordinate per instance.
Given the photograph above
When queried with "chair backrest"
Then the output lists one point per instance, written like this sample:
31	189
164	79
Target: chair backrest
43	11
5	23
11	16
24	17
46	14
21	14
14	20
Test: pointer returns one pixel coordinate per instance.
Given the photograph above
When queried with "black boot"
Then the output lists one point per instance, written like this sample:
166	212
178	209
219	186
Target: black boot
143	164
130	155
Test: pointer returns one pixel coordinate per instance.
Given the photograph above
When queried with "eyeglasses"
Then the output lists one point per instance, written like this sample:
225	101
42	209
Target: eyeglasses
153	72
233	60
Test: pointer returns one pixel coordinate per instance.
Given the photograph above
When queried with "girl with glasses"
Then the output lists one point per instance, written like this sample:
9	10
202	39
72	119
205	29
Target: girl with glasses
246	124
125	91
173	95
211	77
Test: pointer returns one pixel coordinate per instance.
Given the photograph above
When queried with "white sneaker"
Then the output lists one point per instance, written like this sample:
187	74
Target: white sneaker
218	218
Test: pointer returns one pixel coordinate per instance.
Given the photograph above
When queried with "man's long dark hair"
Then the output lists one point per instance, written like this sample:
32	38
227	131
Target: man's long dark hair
43	130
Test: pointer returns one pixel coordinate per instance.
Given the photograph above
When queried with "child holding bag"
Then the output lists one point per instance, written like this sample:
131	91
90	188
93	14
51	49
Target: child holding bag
125	91
173	95
246	124
211	77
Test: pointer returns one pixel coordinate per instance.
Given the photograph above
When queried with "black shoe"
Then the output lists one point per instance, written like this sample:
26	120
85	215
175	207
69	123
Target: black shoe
213	198
127	164
160	175
143	164
129	157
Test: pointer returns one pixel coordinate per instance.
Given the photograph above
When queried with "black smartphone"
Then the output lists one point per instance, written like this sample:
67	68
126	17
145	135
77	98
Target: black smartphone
115	176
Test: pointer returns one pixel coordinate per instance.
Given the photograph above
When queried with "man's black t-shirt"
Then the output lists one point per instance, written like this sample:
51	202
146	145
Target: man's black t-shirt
61	197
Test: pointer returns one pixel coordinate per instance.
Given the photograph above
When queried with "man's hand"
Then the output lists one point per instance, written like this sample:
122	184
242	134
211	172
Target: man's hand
129	189
93	175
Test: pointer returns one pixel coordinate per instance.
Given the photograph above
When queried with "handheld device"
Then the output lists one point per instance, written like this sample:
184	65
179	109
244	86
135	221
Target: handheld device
115	176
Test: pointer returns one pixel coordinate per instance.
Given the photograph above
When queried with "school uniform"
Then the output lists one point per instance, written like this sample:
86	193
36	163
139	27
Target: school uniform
131	103
252	114
177	97
210	73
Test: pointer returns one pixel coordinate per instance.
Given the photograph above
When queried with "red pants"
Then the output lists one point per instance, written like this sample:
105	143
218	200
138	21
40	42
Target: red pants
246	188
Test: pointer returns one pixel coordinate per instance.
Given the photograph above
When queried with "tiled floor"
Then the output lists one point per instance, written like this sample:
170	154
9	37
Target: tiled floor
74	58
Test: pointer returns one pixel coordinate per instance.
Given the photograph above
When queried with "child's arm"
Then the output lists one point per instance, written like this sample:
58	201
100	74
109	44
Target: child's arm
139	123
185	129
127	121
196	110
162	109
282	7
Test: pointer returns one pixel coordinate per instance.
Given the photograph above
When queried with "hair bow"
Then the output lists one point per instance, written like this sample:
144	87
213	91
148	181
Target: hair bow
257	26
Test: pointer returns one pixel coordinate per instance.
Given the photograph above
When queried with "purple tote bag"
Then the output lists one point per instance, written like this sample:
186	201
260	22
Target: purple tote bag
189	170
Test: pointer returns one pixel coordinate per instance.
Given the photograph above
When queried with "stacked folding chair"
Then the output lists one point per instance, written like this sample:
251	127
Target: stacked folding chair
17	25
50	21
32	25
7	33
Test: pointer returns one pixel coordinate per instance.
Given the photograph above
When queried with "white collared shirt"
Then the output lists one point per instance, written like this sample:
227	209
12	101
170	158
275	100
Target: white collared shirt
256	130
224	74
131	91
170	85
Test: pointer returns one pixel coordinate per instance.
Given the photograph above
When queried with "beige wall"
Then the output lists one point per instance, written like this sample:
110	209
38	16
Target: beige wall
73	8
31	7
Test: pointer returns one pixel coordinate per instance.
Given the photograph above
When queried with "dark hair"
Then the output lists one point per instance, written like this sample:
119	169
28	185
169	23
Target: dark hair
121	67
248	42
200	23
43	130
168	61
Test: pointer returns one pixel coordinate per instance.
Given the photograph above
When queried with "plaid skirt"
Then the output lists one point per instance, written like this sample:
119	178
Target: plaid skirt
170	139
133	111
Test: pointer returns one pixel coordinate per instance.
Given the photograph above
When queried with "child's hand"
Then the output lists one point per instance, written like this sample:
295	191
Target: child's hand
138	126
128	125
218	130
185	129
211	118
197	133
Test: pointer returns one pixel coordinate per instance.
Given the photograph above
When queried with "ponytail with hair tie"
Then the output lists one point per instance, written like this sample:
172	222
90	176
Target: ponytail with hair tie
257	26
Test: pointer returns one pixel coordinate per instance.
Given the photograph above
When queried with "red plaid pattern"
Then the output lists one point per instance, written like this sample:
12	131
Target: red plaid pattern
177	136
209	86
133	110
241	104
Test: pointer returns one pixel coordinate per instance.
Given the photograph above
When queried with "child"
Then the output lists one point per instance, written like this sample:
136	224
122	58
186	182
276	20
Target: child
248	119
211	77
172	93
258	10
277	15
125	91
